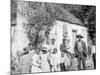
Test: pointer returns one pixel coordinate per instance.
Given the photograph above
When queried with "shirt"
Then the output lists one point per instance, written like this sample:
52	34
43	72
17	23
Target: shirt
52	47
62	47
93	49
80	49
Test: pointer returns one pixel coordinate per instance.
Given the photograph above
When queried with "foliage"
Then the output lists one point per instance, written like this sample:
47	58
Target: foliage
87	14
39	21
41	16
13	10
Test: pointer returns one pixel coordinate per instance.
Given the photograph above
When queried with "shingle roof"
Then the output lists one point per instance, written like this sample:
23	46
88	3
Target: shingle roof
66	15
57	11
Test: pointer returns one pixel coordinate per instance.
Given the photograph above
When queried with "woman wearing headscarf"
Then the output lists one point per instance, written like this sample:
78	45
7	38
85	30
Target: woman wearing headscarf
45	60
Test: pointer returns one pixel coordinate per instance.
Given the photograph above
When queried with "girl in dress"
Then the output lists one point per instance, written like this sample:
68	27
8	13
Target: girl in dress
74	63
62	59
55	61
67	60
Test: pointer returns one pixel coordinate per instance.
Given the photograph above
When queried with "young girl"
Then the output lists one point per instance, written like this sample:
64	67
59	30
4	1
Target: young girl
67	61
54	60
62	59
74	63
89	62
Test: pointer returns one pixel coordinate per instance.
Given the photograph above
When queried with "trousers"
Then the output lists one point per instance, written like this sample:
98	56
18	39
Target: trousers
81	59
62	66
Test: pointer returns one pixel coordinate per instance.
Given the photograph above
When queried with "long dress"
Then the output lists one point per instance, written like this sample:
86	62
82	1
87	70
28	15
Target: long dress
55	61
35	64
74	64
66	62
89	63
44	63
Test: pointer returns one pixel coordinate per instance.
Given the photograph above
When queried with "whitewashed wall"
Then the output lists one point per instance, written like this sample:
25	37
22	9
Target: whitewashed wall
57	33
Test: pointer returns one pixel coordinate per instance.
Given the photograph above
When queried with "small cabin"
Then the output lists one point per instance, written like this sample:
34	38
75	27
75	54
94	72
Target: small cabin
68	28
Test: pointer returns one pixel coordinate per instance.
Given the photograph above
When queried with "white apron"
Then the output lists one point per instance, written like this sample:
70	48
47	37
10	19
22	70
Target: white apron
35	65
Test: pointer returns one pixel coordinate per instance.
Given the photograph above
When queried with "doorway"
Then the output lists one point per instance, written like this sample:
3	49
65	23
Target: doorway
74	33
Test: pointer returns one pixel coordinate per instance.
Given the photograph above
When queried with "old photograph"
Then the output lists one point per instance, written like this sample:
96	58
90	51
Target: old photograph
52	37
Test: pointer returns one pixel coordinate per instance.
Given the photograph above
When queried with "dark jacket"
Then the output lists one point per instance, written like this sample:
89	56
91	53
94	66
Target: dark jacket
77	53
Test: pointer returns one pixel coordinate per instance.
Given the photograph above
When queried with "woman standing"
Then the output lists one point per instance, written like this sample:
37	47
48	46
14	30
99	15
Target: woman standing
44	60
35	63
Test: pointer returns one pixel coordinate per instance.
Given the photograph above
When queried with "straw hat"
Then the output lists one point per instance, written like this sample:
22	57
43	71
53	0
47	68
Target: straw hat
45	48
79	35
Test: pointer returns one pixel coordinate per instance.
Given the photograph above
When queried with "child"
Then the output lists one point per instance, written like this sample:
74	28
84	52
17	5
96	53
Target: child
62	65
67	61
54	60
89	62
74	63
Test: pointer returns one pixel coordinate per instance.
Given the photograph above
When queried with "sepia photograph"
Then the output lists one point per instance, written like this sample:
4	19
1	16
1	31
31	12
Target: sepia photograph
52	37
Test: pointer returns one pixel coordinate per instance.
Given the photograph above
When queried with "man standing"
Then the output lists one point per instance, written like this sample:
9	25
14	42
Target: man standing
80	51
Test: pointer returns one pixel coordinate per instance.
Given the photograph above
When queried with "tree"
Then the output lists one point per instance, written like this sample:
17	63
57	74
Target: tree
13	10
87	14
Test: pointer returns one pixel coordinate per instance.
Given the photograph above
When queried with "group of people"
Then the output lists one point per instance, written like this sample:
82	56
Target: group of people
45	59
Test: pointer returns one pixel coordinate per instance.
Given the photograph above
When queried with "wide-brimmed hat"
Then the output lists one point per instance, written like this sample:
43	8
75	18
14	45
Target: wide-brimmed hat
79	35
45	48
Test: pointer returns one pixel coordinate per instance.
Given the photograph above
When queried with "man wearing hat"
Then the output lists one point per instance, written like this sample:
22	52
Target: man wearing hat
80	51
